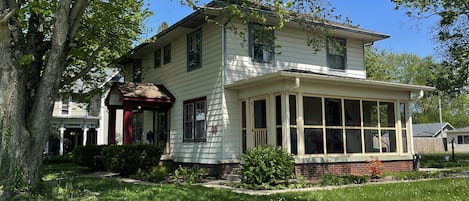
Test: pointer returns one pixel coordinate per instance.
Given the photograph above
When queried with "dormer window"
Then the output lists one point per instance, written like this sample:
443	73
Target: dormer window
194	50
261	43
336	53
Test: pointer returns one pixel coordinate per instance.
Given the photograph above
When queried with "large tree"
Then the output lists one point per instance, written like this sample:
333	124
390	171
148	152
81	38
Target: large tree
453	37
45	45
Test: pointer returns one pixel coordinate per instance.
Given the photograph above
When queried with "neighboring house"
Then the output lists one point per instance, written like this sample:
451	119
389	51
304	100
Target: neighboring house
460	138
431	137
79	123
209	94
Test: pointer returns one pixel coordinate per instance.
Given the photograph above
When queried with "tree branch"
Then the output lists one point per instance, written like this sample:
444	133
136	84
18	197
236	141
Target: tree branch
5	17
89	64
75	16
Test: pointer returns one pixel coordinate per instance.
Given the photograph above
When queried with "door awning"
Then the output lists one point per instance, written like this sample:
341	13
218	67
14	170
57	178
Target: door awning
139	96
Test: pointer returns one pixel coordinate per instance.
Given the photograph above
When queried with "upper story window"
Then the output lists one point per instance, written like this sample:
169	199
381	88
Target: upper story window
65	106
261	43
336	53
157	58
137	71
194	50
195	112
167	54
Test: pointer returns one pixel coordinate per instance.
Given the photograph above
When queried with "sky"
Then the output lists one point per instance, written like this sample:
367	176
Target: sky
407	35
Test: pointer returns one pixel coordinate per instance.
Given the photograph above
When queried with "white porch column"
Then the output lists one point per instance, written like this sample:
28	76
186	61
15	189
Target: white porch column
62	131
286	142
85	134
300	124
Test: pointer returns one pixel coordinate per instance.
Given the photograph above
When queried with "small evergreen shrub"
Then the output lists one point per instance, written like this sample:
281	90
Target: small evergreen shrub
127	159
266	165
153	174
334	180
89	156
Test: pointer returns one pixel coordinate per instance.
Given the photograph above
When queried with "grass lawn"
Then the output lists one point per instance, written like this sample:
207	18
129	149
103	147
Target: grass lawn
77	188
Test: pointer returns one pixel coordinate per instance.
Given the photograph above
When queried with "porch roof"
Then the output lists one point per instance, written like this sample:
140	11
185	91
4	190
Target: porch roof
323	78
130	94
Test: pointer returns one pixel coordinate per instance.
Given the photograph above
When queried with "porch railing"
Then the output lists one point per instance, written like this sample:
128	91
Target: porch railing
260	136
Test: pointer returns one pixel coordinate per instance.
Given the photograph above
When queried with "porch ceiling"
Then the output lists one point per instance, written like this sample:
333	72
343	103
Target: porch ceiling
306	76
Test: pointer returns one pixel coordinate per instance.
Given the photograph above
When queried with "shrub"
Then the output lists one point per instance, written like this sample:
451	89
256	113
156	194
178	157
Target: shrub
266	165
333	180
127	159
154	174
190	175
51	159
375	167
89	156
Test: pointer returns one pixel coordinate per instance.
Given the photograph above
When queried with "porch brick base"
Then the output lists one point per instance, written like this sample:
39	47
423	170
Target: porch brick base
307	170
315	170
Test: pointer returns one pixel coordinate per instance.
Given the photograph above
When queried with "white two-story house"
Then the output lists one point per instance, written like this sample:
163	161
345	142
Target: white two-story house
208	94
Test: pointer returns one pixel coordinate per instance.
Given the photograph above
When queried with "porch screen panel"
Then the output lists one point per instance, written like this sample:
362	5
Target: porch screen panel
386	115
334	141
402	111
293	133
388	140
314	141
294	141
243	126
354	140
371	141
370	113
260	114
278	119
352	113
333	112
312	110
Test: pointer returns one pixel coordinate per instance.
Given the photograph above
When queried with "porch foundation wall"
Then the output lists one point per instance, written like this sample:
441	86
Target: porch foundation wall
306	170
315	170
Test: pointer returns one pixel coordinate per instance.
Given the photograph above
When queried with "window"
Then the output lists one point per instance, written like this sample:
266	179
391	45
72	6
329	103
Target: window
261	43
66	106
463	139
336	53
167	54
157	58
243	126
195	120
402	111
137	71
194	50
293	126
313	133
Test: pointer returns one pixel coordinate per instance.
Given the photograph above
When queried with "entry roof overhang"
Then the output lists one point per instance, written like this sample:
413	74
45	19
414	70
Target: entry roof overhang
140	95
327	79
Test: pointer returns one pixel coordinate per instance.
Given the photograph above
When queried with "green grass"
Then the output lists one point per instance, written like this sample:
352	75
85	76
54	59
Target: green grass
63	184
438	161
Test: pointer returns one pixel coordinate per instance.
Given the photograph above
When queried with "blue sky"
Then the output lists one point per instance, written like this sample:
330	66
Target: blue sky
407	35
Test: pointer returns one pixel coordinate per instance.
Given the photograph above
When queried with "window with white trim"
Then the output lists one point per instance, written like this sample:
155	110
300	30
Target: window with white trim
261	43
336	53
195	113
194	50
463	139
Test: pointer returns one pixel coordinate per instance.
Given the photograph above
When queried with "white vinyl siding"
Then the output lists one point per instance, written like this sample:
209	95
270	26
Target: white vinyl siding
292	53
203	81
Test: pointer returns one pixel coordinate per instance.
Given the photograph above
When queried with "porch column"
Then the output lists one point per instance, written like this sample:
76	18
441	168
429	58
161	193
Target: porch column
128	116
62	131
111	136
85	135
300	124
286	141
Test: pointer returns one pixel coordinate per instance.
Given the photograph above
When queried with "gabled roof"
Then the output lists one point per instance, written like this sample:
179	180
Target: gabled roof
459	130
199	17
430	129
146	95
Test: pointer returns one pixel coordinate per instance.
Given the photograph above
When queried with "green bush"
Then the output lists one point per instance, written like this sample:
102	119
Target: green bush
154	174
127	159
52	159
334	180
89	156
190	175
266	165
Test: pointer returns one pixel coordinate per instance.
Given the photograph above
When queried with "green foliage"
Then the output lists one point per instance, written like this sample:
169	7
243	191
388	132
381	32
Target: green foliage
127	159
334	180
89	156
190	175
439	160
154	174
53	159
266	165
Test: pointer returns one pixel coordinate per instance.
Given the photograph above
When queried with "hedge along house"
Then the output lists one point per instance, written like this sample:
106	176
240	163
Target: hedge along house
235	92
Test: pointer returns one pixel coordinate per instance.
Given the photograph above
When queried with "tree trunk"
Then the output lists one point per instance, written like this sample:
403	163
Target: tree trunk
25	111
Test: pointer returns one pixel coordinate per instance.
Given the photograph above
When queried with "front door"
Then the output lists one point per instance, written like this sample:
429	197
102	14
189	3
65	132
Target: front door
259	121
